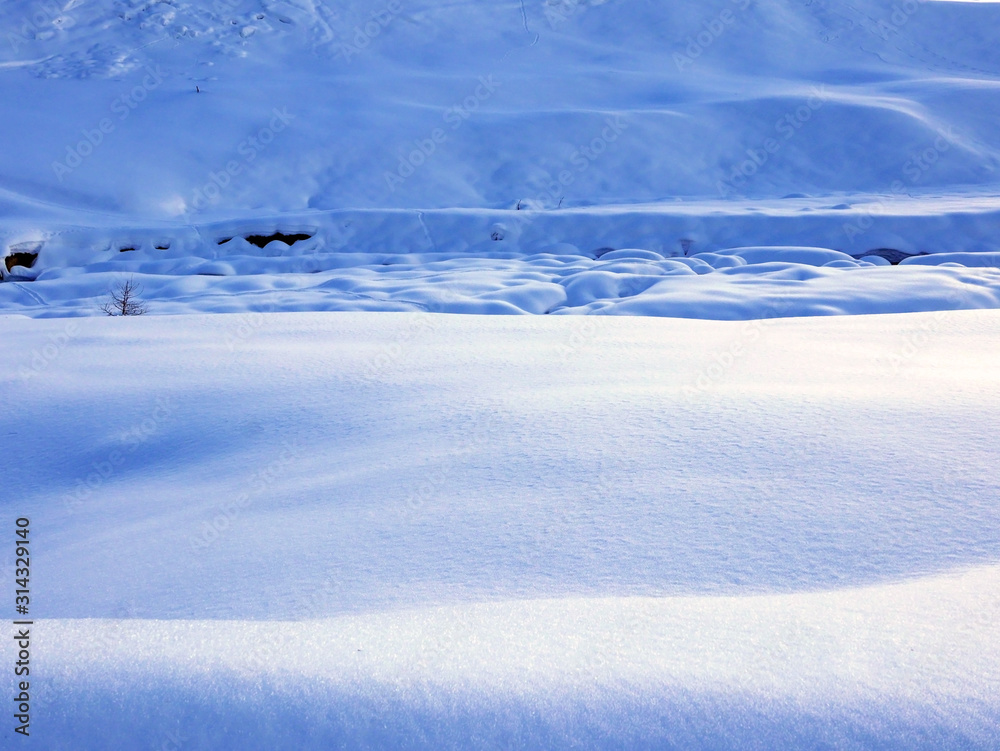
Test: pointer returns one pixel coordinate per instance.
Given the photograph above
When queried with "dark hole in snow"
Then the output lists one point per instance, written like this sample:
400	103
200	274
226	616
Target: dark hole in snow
601	251
892	255
261	241
126	249
165	246
20	259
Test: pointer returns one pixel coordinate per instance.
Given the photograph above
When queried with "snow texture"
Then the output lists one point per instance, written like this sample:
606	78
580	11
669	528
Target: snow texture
413	530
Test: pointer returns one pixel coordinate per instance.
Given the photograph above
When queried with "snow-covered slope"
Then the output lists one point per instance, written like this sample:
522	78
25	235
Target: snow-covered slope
853	93
421	127
405	530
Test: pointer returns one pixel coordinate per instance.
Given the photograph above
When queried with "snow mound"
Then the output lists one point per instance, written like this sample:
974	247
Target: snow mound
246	272
973	260
852	668
805	256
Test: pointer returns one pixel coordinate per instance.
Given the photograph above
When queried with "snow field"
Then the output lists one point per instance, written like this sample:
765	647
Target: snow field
538	531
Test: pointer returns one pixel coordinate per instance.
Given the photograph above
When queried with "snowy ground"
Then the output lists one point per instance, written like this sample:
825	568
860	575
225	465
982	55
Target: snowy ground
741	507
413	530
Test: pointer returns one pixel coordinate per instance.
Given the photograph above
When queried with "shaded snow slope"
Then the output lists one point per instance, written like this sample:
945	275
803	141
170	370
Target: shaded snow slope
491	131
904	666
531	531
637	101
